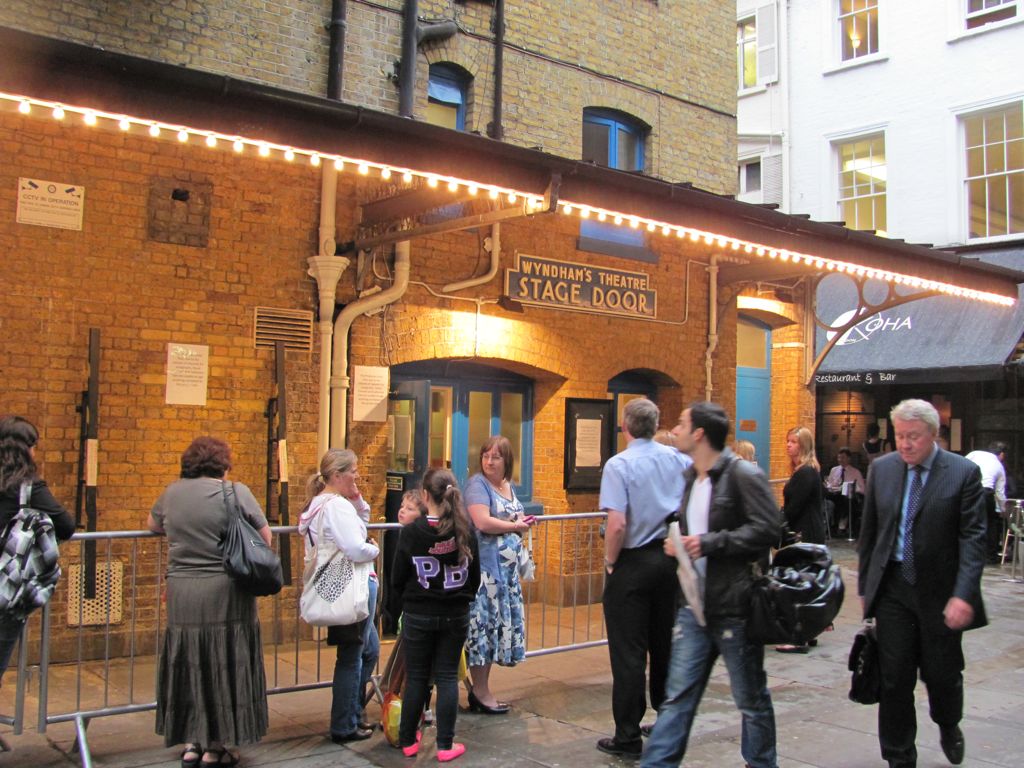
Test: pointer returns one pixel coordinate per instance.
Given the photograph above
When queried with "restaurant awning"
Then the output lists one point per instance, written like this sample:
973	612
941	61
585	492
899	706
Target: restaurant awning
40	74
936	339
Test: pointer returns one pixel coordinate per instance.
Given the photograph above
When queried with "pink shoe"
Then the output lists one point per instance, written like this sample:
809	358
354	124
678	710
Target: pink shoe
412	749
444	755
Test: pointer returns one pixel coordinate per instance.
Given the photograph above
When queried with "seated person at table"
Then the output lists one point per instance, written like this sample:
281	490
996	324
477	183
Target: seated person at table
844	472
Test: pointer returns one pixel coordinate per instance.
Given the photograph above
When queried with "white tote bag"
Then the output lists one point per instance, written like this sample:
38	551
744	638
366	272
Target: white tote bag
335	591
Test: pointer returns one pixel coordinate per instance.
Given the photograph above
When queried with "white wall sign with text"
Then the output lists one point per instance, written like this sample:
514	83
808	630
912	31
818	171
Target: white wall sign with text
188	368
50	204
370	392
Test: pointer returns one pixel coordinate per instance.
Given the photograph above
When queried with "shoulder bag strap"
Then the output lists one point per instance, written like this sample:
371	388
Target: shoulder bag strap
25	496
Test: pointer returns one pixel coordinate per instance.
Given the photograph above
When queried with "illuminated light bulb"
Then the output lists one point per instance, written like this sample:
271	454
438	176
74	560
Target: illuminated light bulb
493	193
680	232
722	241
363	169
24	107
784	255
264	150
735	245
124	124
760	250
385	173
339	164
566	208
709	238
694	235
58	112
211	141
473	189
154	130
584	212
89	118
617	219
650	226
748	248
182	135
432	181
601	215
773	254
512	197
453	186
289	154
634	222
665	230
314	160
238	146
407	177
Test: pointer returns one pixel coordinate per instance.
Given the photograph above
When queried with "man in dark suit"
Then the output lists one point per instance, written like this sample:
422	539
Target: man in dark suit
922	552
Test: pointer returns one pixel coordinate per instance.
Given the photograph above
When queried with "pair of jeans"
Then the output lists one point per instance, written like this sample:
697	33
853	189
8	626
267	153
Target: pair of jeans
371	643
10	631
346	691
694	651
433	646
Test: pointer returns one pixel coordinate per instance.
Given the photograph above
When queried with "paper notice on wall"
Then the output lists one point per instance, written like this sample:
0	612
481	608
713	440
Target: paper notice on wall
588	443
188	368
50	203
370	392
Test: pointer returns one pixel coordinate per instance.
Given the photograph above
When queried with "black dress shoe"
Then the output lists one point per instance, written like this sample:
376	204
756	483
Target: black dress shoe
952	742
475	705
359	734
612	747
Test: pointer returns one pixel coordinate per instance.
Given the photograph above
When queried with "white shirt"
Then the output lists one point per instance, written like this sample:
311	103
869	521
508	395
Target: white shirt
698	509
837	477
993	475
342	525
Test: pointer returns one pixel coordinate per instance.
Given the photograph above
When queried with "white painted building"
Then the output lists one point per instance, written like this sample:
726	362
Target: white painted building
902	116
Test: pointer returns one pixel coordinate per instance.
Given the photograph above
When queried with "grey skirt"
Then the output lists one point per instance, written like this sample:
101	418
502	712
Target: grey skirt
211	686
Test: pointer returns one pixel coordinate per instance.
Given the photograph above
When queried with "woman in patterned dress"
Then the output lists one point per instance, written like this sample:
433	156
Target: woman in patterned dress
496	634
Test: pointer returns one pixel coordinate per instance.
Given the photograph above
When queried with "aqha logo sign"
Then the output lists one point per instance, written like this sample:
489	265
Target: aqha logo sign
865	329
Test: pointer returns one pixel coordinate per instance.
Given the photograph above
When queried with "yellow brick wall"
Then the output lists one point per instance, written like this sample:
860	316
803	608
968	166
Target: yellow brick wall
670	65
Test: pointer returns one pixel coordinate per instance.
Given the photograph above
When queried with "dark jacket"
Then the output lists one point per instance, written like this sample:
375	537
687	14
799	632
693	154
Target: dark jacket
949	535
431	574
43	501
802	497
743	523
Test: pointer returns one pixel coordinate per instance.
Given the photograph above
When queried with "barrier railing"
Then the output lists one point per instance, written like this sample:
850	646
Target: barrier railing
102	661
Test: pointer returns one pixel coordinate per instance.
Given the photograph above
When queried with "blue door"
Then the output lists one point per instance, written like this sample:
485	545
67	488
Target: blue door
753	386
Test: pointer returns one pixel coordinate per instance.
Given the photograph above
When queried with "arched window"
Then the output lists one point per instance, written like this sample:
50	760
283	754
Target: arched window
627	386
615	140
447	96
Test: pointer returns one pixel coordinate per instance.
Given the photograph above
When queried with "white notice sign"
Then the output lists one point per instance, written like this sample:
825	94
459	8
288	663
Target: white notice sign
370	392
50	204
188	367
588	443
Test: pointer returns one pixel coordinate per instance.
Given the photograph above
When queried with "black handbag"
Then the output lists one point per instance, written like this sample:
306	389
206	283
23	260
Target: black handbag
866	677
248	560
797	598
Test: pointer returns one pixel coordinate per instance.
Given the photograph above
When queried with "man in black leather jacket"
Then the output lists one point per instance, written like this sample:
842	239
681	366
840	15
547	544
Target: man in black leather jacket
729	519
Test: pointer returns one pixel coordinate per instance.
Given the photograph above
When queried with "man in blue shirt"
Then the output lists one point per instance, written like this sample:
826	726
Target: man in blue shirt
640	489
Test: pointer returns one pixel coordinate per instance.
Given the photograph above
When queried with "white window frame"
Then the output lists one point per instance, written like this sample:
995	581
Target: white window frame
999	5
742	193
837	25
766	47
740	54
836	148
977	111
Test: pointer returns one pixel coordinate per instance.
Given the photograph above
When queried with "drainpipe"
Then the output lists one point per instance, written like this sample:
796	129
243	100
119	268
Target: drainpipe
497	130
339	382
712	326
336	49
413	34
495	249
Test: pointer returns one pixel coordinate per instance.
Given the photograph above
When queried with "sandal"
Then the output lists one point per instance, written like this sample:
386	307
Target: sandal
191	762
225	757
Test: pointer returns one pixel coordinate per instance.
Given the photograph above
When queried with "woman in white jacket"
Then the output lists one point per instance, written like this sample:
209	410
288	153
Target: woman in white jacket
330	492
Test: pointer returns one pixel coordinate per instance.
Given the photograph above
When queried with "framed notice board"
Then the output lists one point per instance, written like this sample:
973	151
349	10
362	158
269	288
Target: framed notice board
589	436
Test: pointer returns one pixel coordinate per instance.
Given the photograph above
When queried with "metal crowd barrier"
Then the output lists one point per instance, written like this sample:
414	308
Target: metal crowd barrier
107	652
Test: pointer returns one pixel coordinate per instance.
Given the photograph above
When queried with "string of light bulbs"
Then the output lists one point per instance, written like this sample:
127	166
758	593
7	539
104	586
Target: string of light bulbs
242	144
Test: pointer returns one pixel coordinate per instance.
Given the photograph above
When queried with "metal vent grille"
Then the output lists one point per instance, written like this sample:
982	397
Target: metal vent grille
109	577
292	326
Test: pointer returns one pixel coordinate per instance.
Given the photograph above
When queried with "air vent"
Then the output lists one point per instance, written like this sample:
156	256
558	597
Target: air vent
292	326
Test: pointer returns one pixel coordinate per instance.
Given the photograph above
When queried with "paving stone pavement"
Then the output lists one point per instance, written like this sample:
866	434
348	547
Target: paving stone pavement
562	705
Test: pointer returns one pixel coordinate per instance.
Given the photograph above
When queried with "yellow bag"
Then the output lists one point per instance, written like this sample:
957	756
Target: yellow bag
463	669
391	717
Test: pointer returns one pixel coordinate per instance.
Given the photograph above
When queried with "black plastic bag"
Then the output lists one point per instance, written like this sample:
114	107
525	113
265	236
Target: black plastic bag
797	598
248	560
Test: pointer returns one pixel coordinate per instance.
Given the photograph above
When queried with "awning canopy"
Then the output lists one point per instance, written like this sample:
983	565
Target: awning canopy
934	339
762	243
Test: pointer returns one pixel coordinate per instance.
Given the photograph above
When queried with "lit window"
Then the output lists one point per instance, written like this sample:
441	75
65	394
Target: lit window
981	12
858	28
746	52
862	173
994	179
446	96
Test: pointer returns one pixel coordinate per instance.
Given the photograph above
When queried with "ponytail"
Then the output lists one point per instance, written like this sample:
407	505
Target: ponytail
334	461
443	490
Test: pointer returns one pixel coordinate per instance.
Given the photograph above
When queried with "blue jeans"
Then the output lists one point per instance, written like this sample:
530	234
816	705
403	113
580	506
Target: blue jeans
433	645
10	631
371	643
694	651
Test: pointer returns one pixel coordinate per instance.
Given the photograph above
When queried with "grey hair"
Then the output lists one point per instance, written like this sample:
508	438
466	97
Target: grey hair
640	417
917	410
